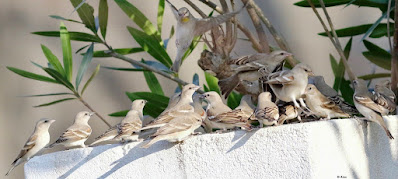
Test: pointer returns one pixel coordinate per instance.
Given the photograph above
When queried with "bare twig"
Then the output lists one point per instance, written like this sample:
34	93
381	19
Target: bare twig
258	26
228	24
278	38
92	110
335	41
212	5
394	63
196	8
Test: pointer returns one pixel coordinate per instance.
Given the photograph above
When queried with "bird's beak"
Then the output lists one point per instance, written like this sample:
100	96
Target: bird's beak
311	74
197	87
91	114
145	101
288	54
51	121
202	96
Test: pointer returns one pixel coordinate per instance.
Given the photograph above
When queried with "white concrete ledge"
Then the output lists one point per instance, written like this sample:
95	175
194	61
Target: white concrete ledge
325	149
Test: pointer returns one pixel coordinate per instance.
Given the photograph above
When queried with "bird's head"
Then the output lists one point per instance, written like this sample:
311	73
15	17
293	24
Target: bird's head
310	90
189	89
138	104
305	68
279	55
359	83
84	116
44	123
384	83
184	15
211	97
266	96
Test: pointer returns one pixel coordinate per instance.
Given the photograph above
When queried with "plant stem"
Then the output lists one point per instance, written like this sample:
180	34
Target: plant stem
92	110
394	63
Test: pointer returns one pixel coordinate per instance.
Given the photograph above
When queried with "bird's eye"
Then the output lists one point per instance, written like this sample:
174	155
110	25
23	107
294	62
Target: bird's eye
45	121
281	53
305	70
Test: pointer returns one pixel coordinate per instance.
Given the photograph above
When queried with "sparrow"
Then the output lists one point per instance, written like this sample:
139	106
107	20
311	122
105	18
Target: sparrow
184	105
246	105
251	87
189	27
267	113
36	142
228	120
332	94
363	100
321	105
247	68
173	100
384	96
289	85
178	129
77	133
128	128
287	112
215	105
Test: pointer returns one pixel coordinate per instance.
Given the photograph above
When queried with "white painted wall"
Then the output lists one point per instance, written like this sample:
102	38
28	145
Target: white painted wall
325	149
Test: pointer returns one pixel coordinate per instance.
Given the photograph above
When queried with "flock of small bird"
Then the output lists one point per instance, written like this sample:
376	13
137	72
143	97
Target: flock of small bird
185	113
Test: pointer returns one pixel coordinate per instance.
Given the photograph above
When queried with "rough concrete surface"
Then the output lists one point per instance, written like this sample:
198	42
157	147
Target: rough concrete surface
342	148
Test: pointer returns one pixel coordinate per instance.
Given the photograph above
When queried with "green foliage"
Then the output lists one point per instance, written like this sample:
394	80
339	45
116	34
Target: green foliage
103	16
77	36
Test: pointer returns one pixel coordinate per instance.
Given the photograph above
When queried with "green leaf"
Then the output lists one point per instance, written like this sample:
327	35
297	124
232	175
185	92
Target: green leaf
153	82
212	82
329	3
84	65
156	103
122	51
375	49
346	91
103	16
64	19
160	15
49	94
119	113
373	76
234	100
370	30
77	36
61	79
206	88
139	18
334	64
66	51
383	61
54	102
86	14
124	69
379	31
341	68
151	45
82	48
53	60
33	76
91	78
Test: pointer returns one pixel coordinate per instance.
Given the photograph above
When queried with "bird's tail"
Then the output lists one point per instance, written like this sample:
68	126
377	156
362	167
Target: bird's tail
13	165
380	120
150	143
246	126
51	145
228	84
12	168
101	138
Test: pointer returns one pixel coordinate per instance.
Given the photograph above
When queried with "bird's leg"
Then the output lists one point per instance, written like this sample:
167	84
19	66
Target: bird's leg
362	121
196	133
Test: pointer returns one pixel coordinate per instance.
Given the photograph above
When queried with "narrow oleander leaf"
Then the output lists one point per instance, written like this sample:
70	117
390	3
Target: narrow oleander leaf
376	75
91	78
76	36
58	77
212	82
82	48
54	102
160	15
341	68
381	60
53	60
84	65
346	91
103	16
86	13
36	64
124	69
234	100
64	19
153	82
378	21
151	45
156	103
122	51
379	31
139	18
330	3
49	94
66	51
119	113
33	76
206	88
334	64
195	79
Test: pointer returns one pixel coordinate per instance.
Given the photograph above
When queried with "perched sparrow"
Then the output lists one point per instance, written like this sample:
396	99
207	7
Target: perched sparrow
252	87
188	27
384	96
36	142
77	133
266	112
363	100
332	94
215	104
228	120
246	68
246	105
184	105
178	129
128	128
321	105
287	112
173	101
289	85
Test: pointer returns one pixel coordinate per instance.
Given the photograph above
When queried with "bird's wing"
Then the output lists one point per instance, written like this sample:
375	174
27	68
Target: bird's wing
27	147
179	124
230	117
368	102
269	112
204	25
169	115
130	127
72	135
247	59
384	101
174	9
329	104
111	131
280	77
